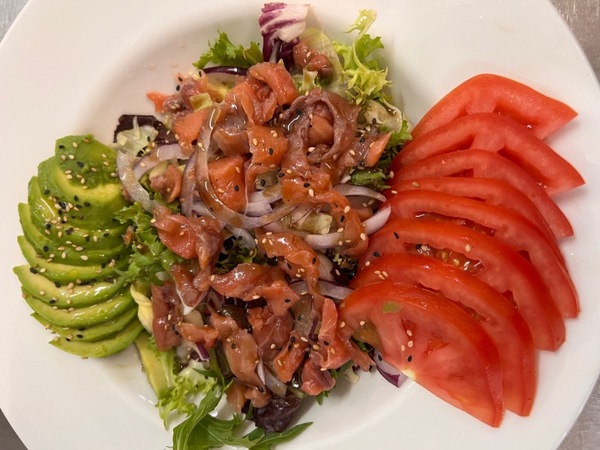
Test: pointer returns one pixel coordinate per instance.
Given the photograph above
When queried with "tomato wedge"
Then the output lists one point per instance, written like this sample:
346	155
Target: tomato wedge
496	94
487	190
494	312
431	340
492	132
502	223
484	164
494	262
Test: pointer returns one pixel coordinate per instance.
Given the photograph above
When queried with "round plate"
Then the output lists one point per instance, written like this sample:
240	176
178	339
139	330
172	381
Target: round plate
70	67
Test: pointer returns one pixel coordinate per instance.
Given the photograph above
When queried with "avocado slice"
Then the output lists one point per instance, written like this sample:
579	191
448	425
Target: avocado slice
66	273
86	316
70	296
94	333
98	203
46	217
84	156
157	372
102	348
70	254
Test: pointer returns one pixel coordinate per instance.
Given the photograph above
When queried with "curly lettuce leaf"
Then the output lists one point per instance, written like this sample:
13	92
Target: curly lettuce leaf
150	256
184	390
223	52
361	69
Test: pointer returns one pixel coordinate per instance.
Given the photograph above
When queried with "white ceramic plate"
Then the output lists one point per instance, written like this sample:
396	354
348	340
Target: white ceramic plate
70	67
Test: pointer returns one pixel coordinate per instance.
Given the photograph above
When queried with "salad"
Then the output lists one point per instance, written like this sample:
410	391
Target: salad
238	236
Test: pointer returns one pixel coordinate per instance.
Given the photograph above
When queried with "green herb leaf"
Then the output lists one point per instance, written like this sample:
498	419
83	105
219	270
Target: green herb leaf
223	52
201	431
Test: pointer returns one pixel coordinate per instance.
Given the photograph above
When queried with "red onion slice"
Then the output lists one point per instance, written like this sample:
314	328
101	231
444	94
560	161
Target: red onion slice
323	241
156	156
326	288
389	372
349	190
131	184
377	220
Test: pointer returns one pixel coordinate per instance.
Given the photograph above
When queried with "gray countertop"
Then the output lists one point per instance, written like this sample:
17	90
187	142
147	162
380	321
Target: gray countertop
583	16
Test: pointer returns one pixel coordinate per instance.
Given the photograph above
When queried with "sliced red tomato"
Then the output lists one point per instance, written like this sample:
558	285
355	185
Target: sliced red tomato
488	190
501	223
492	132
494	312
484	164
431	340
496	94
487	258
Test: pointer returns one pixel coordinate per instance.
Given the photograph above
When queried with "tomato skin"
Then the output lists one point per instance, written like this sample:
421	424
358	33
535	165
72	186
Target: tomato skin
494	312
484	164
486	190
503	268
492	132
433	341
497	94
505	225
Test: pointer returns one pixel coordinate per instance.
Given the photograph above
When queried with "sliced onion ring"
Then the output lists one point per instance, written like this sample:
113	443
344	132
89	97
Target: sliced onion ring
156	156
377	220
326	288
131	184
350	190
389	372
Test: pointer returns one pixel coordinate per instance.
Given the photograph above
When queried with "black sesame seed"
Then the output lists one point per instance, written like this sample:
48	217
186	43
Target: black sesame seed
87	204
33	270
342	218
80	336
45	248
409	359
376	254
46	191
271	151
261	389
80	164
233	345
292	339
396	235
306	185
57	284
236	188
76	198
287	300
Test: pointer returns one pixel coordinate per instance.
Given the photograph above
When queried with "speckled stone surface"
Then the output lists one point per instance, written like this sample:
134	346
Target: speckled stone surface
583	16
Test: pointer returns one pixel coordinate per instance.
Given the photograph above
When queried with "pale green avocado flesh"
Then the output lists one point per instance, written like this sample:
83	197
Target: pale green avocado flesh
74	247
